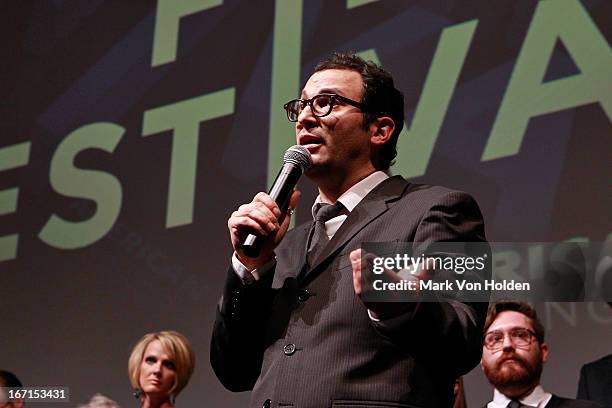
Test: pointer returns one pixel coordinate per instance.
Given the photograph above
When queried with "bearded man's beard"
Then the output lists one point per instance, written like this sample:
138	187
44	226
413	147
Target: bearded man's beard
520	374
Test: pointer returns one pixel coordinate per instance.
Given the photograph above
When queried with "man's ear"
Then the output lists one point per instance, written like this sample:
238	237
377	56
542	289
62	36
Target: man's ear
381	130
544	349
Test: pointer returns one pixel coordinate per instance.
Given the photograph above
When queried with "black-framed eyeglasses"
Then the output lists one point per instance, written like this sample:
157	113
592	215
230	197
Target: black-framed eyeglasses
320	105
520	337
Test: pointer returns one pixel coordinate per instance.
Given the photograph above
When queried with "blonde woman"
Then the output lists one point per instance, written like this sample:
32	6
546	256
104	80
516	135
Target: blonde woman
159	367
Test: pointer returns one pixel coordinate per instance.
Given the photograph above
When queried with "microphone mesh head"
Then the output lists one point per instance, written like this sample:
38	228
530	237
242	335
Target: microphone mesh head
298	155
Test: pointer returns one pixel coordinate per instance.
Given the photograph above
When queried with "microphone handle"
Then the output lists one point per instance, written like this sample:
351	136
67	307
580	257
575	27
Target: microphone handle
281	190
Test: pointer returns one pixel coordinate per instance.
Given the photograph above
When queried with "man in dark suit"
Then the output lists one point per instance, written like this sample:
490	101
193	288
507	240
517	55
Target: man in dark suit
513	356
595	382
292	325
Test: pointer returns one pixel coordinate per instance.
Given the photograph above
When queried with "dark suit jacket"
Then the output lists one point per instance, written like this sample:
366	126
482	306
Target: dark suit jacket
595	382
560	402
300	337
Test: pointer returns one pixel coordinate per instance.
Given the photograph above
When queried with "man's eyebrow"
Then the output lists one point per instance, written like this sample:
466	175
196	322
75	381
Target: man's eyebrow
323	91
506	329
330	90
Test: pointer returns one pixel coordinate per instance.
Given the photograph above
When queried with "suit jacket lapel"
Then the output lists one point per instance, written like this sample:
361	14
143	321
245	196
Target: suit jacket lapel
370	208
291	258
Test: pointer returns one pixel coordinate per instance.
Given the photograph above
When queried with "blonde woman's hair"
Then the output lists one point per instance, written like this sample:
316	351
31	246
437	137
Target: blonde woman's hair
178	349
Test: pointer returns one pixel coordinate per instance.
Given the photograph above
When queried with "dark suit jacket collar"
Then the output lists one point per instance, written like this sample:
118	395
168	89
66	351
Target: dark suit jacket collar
556	401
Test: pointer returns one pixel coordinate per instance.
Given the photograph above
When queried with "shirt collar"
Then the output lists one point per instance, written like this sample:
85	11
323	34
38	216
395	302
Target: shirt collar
537	398
353	196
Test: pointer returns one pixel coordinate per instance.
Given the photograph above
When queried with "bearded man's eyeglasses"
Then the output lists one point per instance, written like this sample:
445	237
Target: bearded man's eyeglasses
320	105
520	337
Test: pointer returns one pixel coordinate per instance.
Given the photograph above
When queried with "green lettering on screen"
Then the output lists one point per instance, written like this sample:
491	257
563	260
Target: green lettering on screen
416	144
8	200
527	96
11	157
287	50
357	3
99	186
184	118
14	156
370	55
167	22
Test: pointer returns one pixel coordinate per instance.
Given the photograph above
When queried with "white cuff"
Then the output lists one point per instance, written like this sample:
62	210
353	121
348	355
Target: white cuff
247	276
243	273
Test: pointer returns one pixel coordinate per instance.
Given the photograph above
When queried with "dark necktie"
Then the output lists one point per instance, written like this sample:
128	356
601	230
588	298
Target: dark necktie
319	237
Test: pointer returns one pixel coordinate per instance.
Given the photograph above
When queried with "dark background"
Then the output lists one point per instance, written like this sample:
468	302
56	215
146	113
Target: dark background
70	316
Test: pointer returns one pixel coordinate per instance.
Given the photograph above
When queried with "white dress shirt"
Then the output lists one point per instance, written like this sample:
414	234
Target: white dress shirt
537	398
349	200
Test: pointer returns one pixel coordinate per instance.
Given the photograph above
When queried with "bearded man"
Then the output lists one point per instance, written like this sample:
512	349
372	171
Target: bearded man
513	356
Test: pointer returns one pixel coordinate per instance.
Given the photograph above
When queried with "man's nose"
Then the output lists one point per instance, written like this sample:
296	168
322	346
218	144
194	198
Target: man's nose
507	344
306	118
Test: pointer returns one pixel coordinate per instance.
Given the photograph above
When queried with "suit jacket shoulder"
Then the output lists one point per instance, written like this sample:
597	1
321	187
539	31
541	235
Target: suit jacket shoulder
595	381
560	402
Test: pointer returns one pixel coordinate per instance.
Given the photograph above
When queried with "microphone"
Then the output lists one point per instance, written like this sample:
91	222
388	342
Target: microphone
295	162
